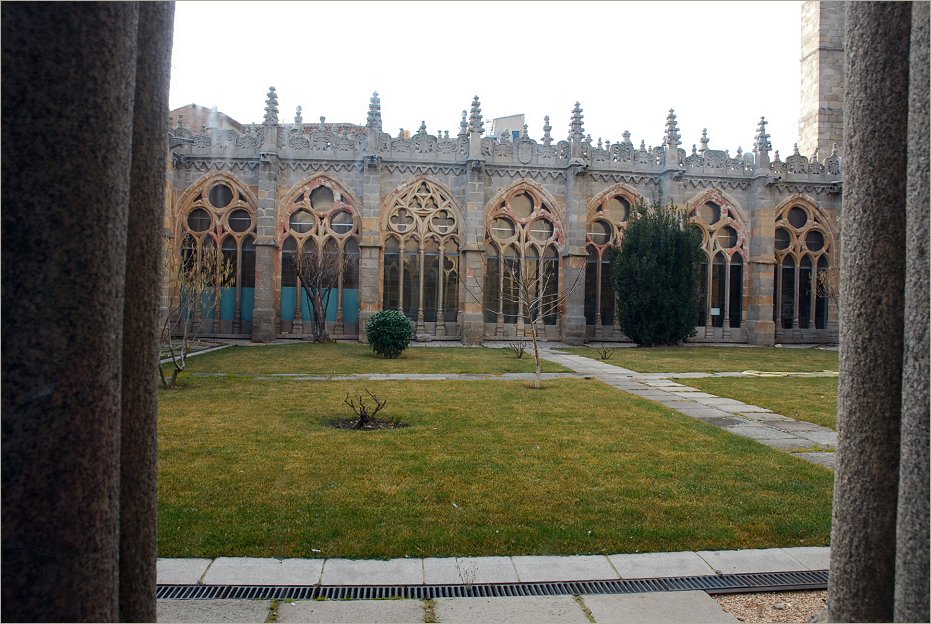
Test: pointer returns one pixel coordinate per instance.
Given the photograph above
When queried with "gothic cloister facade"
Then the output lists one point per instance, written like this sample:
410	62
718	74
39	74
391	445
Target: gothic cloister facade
434	224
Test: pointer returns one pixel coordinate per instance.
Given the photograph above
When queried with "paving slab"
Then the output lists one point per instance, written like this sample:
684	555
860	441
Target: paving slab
512	610
372	572
351	611
749	561
212	610
703	411
812	557
180	571
793	445
824	438
579	568
795	425
828	460
760	432
456	570
660	565
677	403
256	571
695	607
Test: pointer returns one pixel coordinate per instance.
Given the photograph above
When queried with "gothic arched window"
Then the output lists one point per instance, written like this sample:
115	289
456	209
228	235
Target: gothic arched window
802	248
604	231
724	242
319	218
221	215
522	241
421	257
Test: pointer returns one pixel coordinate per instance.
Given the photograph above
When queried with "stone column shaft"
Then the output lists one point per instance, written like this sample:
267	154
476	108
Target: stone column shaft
911	570
370	246
872	301
265	315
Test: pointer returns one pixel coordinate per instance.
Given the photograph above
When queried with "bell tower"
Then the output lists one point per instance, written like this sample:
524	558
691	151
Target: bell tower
821	119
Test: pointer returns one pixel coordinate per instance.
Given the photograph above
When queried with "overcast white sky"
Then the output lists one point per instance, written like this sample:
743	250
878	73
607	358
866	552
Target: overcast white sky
720	65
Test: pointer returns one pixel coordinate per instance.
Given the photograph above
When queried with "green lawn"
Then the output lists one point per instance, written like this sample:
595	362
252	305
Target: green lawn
248	468
812	399
343	358
714	359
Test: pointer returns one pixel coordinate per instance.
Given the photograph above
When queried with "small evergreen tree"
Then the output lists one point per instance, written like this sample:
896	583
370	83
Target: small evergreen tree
655	276
389	332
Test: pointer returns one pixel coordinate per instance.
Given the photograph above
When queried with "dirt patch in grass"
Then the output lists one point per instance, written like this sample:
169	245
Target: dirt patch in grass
374	425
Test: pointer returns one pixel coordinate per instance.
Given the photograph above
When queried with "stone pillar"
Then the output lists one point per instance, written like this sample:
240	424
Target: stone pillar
141	335
758	297
863	537
472	269
572	310
77	544
911	569
821	119
265	316
370	244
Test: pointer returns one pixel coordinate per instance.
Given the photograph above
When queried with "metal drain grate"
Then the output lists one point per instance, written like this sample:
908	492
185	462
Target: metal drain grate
722	584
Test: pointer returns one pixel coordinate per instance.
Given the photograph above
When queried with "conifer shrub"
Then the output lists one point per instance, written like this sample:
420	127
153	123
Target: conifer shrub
389	332
655	275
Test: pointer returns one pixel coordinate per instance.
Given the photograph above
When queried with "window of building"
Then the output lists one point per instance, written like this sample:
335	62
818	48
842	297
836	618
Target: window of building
802	249
721	275
607	222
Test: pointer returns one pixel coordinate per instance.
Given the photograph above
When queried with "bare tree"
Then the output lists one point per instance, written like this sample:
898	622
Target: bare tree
194	282
319	274
535	294
828	283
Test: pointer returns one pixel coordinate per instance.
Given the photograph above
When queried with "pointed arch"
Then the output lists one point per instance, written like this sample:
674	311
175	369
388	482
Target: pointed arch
804	249
540	197
318	212
725	232
424	221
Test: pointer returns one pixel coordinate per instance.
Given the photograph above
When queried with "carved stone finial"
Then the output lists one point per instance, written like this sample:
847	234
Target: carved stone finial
795	153
588	138
576	132
271	108
322	121
599	142
374	117
777	156
400	133
643	145
694	151
704	140
524	134
626	136
833	150
475	119
761	142
180	121
445	134
464	125
422	130
673	138
740	151
547	137
297	115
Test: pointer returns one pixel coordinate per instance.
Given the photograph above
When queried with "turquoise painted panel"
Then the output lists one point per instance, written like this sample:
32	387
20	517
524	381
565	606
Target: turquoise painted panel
227	304
350	305
288	299
207	305
248	303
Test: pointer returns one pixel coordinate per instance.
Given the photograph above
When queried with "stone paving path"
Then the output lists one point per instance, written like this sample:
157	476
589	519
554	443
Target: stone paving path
806	440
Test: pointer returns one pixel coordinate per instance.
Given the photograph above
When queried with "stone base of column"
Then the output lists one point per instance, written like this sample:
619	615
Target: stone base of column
363	319
264	325
761	333
573	330
472	329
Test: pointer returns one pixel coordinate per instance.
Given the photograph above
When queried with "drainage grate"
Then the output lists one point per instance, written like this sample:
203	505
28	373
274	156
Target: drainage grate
722	584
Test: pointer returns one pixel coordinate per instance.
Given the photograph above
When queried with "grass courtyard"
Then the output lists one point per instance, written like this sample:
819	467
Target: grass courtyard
714	359
250	468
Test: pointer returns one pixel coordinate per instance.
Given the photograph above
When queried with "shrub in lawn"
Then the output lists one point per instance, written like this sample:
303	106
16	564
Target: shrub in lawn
389	332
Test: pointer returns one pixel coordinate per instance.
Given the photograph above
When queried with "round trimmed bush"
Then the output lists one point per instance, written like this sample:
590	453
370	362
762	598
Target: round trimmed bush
389	332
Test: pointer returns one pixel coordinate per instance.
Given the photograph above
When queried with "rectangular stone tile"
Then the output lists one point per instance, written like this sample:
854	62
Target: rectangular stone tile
579	568
660	565
788	444
372	572
767	417
459	570
828	460
259	571
812	557
749	561
824	438
197	611
760	432
180	571
696	394
695	607
512	610
719	401
351	611
736	409
678	404
700	411
796	425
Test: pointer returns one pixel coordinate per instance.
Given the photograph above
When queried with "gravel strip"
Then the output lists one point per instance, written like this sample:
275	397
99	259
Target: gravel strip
793	607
